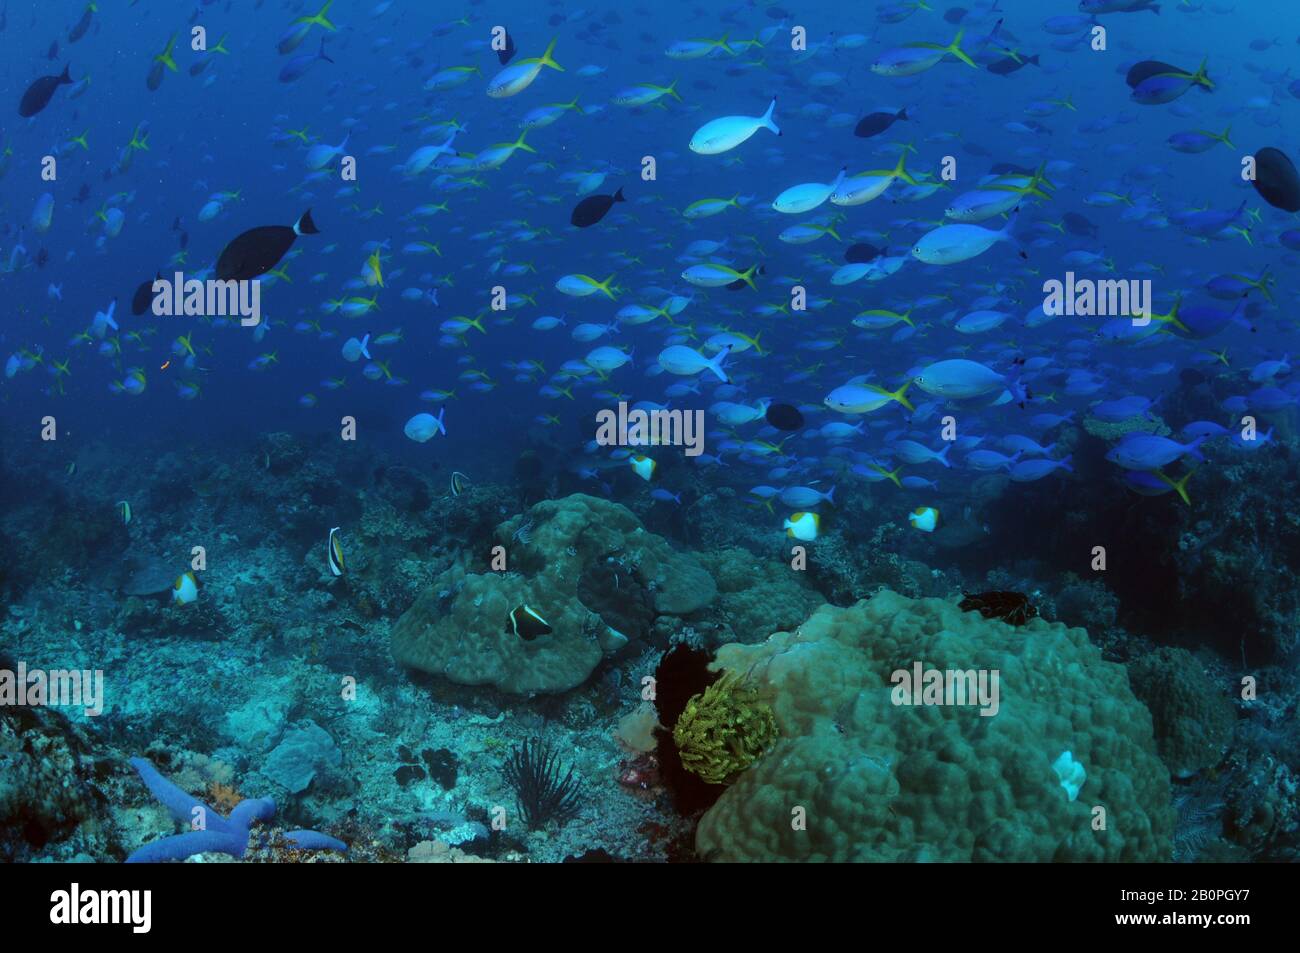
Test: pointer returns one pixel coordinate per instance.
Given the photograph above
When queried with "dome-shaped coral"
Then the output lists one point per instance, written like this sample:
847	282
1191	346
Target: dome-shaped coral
854	776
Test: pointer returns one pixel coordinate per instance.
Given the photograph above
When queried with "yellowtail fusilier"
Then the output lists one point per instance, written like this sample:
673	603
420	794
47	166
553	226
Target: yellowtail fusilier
950	244
687	362
580	286
918	57
714	275
517	77
859	397
722	135
806	197
210	298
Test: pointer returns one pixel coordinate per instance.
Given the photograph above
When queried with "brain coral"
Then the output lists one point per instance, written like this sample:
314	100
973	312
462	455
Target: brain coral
883	782
457	627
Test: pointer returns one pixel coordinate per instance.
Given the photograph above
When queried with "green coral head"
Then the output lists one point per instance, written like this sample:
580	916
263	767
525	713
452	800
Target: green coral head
724	730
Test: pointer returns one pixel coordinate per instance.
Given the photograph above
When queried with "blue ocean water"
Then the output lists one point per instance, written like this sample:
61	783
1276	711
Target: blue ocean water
1126	471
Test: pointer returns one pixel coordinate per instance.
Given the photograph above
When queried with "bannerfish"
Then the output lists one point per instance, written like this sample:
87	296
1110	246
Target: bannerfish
335	553
527	623
258	250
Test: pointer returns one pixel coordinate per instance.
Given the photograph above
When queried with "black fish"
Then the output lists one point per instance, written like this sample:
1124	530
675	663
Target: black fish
1076	224
954	15
1276	180
82	25
593	208
258	250
143	295
506	55
38	94
862	253
53	54
1009	64
524	622
42	257
877	123
784	417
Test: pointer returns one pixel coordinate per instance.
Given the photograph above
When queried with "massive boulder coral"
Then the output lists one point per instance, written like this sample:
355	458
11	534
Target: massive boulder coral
878	781
1193	718
458	628
758	596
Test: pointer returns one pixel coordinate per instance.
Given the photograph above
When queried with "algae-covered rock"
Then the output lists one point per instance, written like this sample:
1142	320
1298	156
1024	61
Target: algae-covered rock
855	777
459	627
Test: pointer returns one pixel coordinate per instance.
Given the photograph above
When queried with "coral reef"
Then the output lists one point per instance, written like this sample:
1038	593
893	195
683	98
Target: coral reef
1192	718
208	830
459	627
876	780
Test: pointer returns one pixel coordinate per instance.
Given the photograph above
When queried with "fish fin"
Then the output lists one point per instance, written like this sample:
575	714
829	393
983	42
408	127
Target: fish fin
548	60
955	49
305	225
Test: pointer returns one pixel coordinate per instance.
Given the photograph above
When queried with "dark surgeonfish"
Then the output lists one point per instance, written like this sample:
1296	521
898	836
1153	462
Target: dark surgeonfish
507	54
877	123
1076	224
1276	179
258	250
593	208
39	93
862	253
144	294
1009	64
784	417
